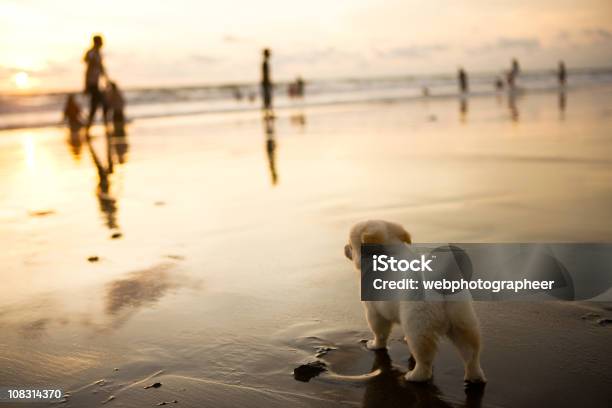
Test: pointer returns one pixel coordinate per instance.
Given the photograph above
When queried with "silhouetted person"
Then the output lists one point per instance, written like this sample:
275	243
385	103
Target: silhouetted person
516	68
237	93
296	89
93	72
266	81
562	74
510	79
463	80
72	114
116	105
513	74
299	83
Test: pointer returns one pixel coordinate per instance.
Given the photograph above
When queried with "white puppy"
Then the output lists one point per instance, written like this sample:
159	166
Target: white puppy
422	322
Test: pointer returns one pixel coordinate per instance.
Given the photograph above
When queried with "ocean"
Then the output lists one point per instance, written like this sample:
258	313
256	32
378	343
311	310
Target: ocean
45	109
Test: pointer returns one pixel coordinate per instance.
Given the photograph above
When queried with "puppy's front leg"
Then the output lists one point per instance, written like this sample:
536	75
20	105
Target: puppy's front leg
380	327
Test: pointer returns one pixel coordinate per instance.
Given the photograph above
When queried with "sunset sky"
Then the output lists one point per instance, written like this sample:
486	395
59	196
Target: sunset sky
199	42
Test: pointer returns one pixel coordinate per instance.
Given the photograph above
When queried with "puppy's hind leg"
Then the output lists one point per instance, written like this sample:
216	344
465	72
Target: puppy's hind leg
467	340
423	348
380	327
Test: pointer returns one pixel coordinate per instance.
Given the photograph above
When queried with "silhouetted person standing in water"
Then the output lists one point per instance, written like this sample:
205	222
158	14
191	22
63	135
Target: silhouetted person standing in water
463	80
93	72
516	68
562	74
266	81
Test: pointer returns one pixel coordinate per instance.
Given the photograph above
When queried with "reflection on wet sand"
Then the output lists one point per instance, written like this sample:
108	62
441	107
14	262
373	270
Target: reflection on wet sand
139	289
562	103
463	109
120	148
122	297
298	120
271	146
512	99
108	205
389	389
116	150
35	329
75	143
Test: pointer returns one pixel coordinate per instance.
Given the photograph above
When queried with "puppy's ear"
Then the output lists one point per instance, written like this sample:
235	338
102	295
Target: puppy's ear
406	237
348	252
372	236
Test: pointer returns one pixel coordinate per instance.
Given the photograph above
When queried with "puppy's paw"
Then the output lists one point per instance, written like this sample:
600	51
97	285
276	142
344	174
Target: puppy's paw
418	375
375	345
475	379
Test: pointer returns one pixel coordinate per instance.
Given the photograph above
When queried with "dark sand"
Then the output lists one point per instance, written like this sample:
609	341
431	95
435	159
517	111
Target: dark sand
222	283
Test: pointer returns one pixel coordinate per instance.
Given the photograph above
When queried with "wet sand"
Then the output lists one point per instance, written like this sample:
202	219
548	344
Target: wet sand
228	272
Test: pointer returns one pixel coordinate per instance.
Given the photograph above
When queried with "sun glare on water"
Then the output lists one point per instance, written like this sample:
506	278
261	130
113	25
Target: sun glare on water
21	80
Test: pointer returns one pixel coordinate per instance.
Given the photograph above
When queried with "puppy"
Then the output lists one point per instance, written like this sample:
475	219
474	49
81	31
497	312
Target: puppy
423	322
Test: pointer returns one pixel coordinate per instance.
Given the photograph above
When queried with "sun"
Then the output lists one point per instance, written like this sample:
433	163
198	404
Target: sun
21	80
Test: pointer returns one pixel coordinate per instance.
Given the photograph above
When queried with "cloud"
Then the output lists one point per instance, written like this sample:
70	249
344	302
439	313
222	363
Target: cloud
508	44
229	38
325	55
526	43
412	51
597	34
201	58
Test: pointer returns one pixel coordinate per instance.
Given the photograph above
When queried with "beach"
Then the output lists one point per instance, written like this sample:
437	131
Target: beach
212	262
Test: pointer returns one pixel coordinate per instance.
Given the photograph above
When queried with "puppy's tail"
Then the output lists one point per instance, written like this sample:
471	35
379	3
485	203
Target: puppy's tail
330	375
318	368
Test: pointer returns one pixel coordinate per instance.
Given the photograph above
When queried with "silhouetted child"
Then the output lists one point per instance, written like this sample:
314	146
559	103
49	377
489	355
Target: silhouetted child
72	114
499	84
116	104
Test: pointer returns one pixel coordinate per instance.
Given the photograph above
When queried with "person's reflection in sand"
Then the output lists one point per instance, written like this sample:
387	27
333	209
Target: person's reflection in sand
299	120
137	290
120	147
142	289
35	329
270	146
562	104
75	143
512	98
108	204
463	109
389	389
